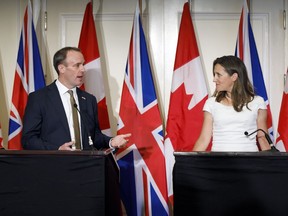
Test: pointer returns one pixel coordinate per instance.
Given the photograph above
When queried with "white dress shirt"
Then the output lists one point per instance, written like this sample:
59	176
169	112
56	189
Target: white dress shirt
65	98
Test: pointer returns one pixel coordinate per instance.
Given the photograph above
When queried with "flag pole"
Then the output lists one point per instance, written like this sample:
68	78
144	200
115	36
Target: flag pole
285	77
190	5
248	4
140	7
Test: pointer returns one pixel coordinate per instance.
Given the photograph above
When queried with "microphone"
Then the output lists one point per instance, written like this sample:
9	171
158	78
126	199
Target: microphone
90	141
273	148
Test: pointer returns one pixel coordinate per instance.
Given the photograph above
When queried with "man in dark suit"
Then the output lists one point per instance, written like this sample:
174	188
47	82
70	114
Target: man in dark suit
48	122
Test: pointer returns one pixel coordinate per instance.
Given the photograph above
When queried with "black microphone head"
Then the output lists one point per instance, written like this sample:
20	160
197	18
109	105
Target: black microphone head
75	105
246	133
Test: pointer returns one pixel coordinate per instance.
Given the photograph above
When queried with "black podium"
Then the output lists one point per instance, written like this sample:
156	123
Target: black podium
52	183
230	184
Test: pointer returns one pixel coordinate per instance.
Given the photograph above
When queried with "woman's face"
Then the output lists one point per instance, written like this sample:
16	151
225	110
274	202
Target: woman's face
223	81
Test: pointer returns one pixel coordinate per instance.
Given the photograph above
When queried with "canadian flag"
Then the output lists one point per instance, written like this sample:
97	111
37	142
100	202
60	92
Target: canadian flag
282	139
188	95
93	82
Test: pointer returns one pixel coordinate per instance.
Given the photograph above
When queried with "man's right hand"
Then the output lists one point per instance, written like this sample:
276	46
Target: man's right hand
67	146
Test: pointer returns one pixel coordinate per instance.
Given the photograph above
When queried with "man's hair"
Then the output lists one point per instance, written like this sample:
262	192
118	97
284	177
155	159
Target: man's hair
60	56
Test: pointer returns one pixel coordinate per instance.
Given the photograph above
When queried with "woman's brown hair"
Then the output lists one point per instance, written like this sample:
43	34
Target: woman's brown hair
242	91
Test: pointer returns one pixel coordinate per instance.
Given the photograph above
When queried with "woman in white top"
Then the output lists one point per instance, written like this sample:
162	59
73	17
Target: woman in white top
233	109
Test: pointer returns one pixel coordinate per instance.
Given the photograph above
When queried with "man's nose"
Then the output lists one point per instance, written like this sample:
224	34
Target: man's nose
82	68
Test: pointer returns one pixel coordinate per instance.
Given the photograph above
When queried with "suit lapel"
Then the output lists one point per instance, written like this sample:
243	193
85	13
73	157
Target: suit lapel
56	102
82	100
83	109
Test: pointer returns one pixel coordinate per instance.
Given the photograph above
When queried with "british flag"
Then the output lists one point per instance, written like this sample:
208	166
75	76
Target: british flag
247	51
93	82
29	77
142	162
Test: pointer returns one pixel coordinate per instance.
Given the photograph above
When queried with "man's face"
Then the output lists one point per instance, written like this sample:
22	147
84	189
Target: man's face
71	72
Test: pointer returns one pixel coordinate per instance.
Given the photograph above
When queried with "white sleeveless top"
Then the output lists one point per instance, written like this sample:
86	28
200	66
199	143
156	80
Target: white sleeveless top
229	126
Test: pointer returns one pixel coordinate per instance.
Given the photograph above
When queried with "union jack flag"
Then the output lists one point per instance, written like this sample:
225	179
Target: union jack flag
29	77
142	164
93	82
247	51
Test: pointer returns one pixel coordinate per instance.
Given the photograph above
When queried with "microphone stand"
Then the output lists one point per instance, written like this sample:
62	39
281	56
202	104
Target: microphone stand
273	148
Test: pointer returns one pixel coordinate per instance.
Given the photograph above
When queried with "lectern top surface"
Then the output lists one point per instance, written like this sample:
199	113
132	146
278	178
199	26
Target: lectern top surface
207	154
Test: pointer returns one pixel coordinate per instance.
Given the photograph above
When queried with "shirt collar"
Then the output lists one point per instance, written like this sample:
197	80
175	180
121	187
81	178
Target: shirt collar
63	89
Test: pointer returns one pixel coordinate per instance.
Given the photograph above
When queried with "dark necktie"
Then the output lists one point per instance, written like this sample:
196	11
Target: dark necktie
75	121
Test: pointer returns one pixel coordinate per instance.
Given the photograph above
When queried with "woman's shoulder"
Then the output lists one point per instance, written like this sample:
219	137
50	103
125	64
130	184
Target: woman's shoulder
211	100
258	102
258	99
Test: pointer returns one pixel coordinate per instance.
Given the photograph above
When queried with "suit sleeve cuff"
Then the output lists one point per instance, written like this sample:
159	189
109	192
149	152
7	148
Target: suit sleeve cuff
110	144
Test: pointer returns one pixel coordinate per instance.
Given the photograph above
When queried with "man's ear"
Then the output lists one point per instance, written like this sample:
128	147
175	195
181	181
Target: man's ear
61	67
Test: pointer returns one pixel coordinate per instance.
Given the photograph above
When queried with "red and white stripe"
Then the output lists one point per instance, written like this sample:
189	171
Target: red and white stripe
282	139
188	94
93	81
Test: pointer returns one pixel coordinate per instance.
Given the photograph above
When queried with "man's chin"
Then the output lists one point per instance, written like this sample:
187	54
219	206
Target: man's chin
80	84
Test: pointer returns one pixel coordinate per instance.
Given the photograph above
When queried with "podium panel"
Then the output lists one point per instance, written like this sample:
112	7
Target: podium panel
230	184
58	183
